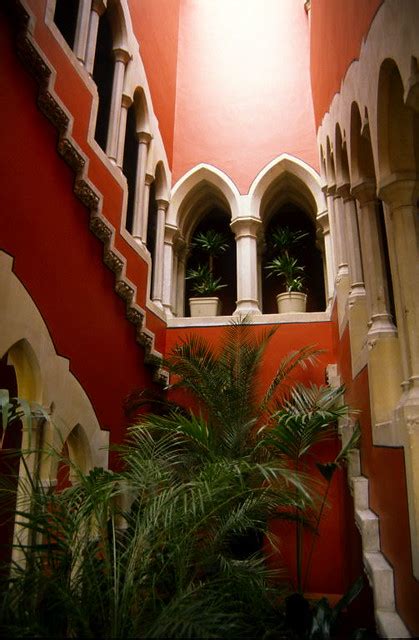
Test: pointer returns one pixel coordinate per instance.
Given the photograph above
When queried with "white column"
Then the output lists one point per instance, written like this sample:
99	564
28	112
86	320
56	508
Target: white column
340	227
246	231
373	260
98	9
126	102
139	209
121	60
169	272
157	291
146	199
329	193
356	276
82	29
401	199
328	261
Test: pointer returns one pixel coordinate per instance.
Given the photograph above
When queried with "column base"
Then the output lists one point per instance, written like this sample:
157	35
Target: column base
247	307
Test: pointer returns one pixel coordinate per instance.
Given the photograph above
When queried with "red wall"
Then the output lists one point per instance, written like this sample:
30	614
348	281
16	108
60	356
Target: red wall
384	467
243	88
59	261
337	31
329	573
155	24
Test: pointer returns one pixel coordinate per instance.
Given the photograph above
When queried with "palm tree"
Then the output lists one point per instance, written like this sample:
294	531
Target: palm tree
155	550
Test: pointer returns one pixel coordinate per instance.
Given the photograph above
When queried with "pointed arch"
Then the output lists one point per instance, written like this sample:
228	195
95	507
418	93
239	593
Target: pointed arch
300	176
203	176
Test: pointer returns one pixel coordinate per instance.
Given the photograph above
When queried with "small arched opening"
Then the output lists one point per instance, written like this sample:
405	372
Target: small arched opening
288	205
65	17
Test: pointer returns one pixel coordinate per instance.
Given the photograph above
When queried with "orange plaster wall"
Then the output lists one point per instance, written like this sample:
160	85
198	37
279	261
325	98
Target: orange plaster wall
329	567
59	261
384	467
156	24
243	87
337	31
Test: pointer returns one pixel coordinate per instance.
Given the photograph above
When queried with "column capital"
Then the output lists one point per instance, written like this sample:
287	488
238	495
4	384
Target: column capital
399	189
148	179
121	55
246	226
99	6
126	101
344	191
329	190
170	233
144	137
162	203
323	220
365	191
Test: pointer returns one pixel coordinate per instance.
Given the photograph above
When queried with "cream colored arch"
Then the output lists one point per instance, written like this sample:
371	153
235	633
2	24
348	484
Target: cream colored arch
300	175
361	82
44	376
197	178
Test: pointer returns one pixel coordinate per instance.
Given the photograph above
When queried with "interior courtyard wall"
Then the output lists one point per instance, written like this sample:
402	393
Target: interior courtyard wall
243	87
45	229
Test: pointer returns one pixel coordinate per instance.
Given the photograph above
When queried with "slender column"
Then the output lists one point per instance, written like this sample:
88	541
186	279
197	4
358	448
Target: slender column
340	227
373	259
356	276
384	362
329	192
169	268
98	9
82	29
121	60
181	252
401	199
329	266
246	230
148	180
139	208
157	294
126	102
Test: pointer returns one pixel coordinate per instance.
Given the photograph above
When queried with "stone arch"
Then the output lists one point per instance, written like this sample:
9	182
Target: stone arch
202	194
42	373
299	174
142	117
202	177
341	157
288	193
397	125
362	166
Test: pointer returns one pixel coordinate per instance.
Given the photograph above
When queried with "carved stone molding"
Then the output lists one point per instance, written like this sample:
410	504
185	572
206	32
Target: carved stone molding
70	154
50	106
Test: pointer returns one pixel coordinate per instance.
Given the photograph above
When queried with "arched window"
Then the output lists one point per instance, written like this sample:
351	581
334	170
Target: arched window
224	264
129	166
103	77
65	17
291	217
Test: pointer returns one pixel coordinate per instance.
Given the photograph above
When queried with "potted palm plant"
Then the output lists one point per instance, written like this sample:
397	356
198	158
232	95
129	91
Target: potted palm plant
203	281
287	267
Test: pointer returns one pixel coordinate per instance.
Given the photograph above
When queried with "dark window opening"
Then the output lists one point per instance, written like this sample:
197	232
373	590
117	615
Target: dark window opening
224	265
307	254
152	227
65	17
103	76
388	282
129	166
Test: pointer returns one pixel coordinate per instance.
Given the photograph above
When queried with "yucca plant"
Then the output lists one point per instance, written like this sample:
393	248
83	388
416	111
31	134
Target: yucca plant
203	281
